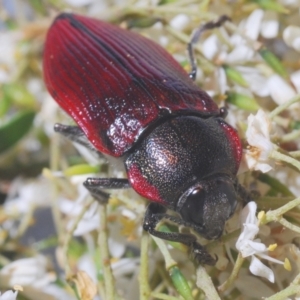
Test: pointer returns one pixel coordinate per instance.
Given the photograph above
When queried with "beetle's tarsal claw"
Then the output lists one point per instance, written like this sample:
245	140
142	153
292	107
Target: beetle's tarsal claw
201	256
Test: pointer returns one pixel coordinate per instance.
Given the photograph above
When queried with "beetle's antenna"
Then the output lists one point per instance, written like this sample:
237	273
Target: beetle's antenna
195	37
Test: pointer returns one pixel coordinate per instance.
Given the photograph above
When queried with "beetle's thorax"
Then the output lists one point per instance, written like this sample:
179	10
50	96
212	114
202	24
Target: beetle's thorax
178	153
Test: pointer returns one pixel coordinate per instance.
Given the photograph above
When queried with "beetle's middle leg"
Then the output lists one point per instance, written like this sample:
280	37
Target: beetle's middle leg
96	185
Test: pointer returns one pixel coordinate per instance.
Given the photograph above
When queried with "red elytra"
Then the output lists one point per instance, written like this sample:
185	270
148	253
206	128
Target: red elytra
132	100
114	82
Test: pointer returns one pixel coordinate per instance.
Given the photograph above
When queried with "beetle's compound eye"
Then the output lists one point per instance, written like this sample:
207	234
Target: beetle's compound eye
192	210
209	205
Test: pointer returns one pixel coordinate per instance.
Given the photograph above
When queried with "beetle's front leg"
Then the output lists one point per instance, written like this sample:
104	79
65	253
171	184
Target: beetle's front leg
96	185
155	213
244	194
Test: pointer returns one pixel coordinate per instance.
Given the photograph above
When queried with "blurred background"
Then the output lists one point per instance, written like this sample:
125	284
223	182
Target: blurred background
50	229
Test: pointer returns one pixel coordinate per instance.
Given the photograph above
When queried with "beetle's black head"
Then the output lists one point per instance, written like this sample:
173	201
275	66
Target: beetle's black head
207	205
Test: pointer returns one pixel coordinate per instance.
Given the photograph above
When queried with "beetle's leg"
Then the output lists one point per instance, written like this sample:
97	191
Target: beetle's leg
155	213
75	134
244	194
96	185
195	37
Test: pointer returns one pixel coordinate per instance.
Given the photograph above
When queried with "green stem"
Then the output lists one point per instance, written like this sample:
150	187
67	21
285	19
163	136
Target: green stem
68	236
289	225
163	296
273	215
144	272
284	106
295	153
230	281
292	289
110	290
169	261
290	160
290	136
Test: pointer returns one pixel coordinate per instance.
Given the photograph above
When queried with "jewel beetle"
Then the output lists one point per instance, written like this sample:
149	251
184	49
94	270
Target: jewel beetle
132	100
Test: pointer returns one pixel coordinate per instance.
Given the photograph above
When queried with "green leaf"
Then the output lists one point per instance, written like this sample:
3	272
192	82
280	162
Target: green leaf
4	105
162	2
275	185
271	5
15	129
273	62
142	22
81	169
19	95
38	6
235	76
242	101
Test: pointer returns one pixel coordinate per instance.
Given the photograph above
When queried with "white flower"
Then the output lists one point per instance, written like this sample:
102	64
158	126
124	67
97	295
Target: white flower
270	25
295	79
253	24
9	295
27	271
8	50
180	21
90	220
260	145
291	36
248	246
280	90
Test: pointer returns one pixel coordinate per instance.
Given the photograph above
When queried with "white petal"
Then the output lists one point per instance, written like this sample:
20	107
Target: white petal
259	269
295	78
291	36
116	247
221	80
248	248
124	266
9	295
180	21
270	25
291	3
258	124
78	3
27	271
248	214
211	46
246	235
240	54
256	81
280	90
270	258
263	167
253	24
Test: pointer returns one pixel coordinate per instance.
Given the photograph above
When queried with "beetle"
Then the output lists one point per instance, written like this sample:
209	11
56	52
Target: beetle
132	100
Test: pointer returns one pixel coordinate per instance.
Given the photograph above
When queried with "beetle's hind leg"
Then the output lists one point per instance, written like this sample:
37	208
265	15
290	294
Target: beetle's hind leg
155	213
96	185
